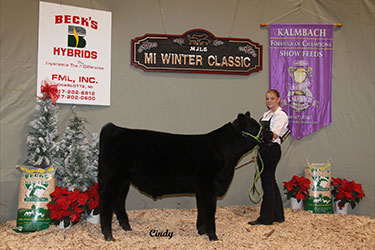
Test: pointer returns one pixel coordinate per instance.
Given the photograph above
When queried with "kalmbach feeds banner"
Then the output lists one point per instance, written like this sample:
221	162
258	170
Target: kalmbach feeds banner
74	52
301	70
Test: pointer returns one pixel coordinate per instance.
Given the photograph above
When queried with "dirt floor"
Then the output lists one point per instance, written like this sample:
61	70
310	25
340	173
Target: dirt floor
301	230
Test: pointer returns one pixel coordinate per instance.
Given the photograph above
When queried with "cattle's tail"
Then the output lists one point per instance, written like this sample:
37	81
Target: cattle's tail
105	134
105	137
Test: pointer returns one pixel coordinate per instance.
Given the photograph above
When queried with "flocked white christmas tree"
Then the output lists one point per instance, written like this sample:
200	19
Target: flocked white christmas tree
42	139
92	171
77	156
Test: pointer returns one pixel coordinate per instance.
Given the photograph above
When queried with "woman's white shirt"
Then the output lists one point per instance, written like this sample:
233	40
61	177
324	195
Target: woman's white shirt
278	124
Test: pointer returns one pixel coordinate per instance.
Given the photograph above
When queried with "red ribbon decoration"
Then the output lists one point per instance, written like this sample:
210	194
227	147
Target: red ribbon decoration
49	91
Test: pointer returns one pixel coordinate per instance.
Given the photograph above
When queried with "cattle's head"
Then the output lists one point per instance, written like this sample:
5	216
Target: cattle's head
248	128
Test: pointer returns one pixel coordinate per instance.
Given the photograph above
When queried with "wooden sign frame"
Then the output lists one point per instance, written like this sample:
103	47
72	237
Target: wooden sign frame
196	51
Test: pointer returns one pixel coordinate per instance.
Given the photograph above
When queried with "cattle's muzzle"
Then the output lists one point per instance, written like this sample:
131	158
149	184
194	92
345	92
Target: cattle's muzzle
258	137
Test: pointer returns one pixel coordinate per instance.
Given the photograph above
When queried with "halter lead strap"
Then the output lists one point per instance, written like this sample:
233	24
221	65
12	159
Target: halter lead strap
254	189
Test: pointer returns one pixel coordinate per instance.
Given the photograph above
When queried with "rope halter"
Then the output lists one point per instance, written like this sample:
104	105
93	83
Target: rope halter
255	137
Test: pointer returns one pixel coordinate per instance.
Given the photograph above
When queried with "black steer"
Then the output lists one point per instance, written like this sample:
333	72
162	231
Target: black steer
162	163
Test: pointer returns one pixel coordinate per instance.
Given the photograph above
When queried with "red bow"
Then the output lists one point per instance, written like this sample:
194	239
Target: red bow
50	91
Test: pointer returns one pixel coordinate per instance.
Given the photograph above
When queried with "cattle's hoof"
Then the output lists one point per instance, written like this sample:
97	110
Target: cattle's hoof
126	227
109	238
201	231
213	238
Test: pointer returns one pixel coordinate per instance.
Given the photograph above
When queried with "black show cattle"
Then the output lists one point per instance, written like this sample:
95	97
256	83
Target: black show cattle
162	163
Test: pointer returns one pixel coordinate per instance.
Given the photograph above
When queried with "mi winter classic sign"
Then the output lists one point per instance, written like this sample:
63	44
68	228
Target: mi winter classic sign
196	51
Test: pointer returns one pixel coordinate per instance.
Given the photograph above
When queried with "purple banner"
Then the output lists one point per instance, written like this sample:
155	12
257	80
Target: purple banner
301	70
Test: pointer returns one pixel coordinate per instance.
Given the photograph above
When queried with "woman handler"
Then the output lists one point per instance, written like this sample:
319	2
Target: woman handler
275	125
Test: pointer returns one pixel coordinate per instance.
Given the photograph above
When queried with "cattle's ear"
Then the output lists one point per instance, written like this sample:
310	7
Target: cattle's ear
247	113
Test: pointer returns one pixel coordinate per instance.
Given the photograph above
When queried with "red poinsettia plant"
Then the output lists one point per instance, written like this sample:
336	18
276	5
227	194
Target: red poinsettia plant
68	205
92	204
297	188
346	191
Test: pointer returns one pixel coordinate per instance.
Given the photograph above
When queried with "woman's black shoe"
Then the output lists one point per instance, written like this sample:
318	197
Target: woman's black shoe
280	220
258	222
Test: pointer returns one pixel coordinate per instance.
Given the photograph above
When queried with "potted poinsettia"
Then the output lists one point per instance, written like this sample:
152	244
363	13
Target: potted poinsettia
92	204
346	192
65	206
297	190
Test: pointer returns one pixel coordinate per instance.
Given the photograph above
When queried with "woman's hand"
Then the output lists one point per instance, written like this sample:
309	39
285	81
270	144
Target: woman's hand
275	136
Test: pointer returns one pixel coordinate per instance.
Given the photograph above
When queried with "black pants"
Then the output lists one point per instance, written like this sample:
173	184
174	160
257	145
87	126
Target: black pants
271	209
